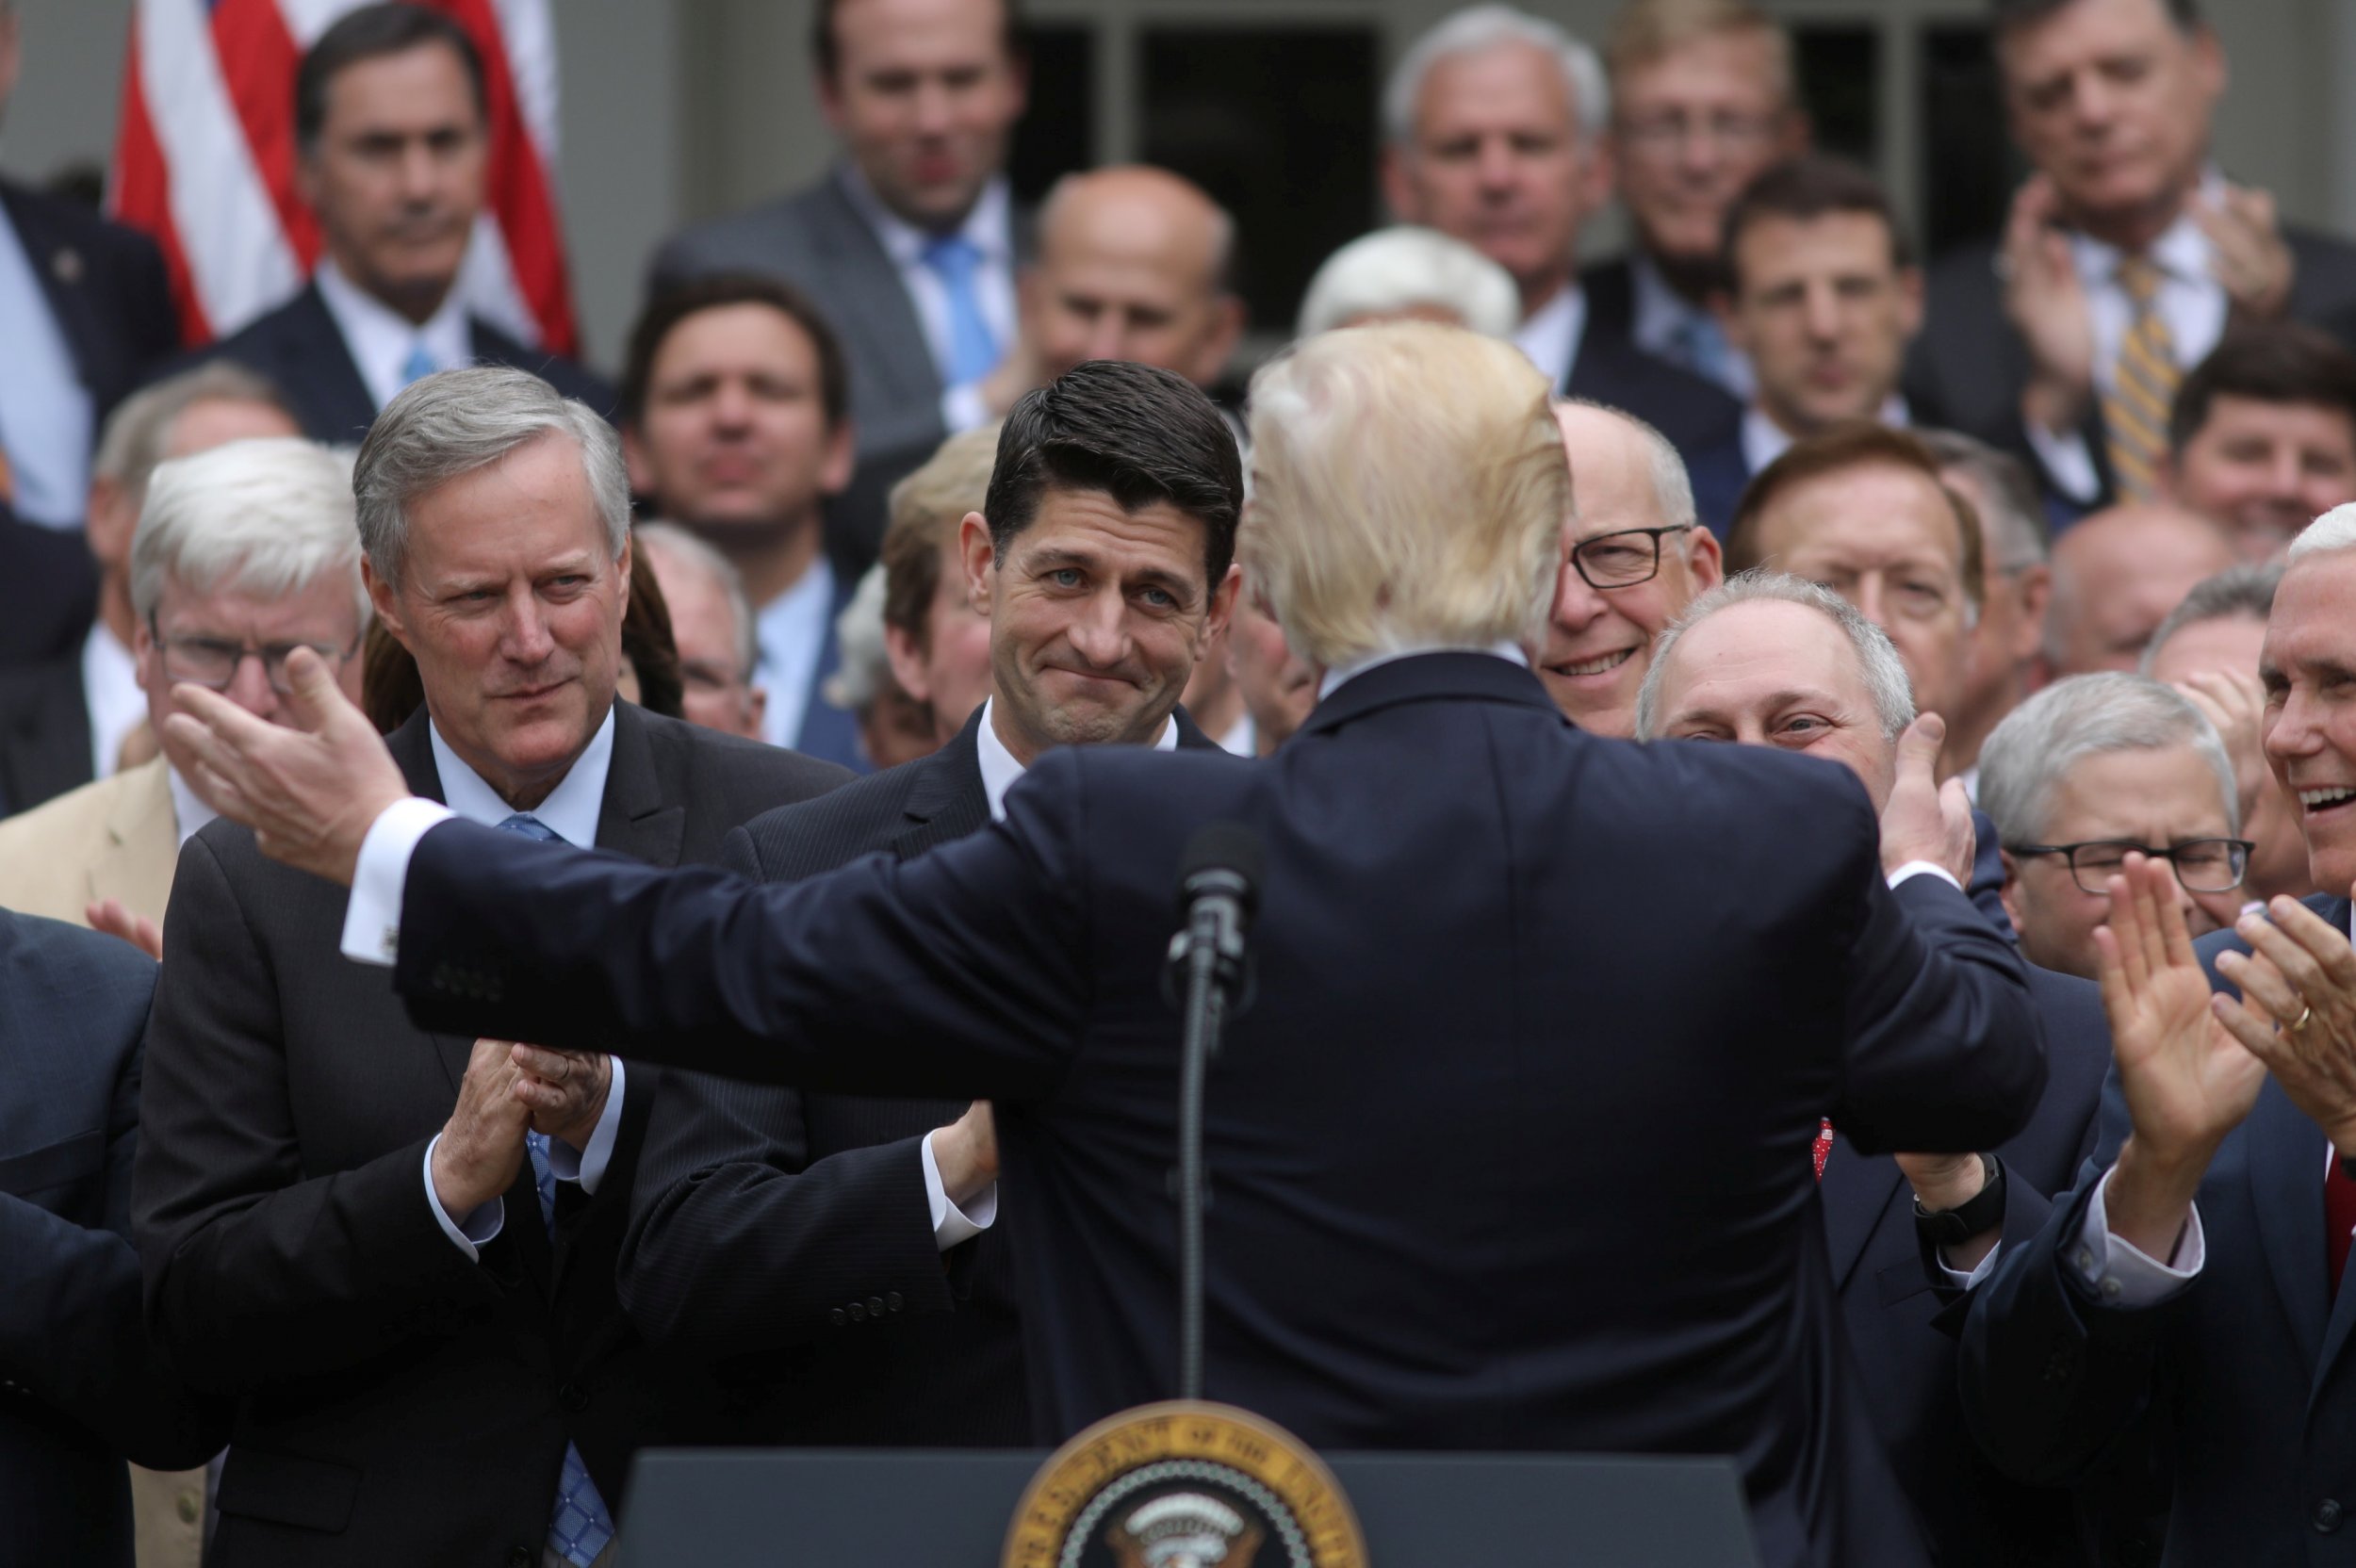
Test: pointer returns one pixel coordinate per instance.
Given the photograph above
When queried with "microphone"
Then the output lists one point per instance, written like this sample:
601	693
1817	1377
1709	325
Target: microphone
1208	975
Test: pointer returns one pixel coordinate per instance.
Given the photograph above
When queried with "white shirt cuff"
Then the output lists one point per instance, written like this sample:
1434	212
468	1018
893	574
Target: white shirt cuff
951	1224
2118	1272
472	1229
372	918
587	1166
1911	870
1962	1280
2066	462
962	408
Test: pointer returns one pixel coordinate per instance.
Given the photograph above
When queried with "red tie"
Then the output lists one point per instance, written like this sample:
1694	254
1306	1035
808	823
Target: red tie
2339	1208
1824	1147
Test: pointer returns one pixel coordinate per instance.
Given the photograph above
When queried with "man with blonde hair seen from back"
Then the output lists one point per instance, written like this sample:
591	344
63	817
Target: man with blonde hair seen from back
1494	123
1409	490
1703	99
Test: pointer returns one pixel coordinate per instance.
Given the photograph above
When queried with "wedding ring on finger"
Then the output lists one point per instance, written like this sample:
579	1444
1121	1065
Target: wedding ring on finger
2306	1011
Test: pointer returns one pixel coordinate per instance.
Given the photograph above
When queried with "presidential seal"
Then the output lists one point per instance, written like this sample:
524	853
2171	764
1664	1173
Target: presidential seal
1185	1484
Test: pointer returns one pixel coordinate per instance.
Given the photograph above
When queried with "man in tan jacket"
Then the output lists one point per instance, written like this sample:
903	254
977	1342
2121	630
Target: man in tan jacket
242	553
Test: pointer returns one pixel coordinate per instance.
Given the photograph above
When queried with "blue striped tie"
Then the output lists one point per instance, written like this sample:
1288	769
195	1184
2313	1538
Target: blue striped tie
972	348
582	1524
419	366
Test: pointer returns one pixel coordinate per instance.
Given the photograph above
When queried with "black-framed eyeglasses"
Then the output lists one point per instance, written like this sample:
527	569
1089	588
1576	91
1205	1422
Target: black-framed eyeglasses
2202	865
213	662
1624	559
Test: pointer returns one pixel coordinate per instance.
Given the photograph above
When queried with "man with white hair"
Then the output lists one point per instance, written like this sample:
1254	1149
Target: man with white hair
80	718
1776	660
1405	272
1405	903
2193	1293
1494	123
712	623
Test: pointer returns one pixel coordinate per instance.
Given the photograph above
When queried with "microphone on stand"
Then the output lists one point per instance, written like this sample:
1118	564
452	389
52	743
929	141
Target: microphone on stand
1209	978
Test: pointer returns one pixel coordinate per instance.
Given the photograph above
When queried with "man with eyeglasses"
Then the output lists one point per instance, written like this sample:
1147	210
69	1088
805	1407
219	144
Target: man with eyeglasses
242	554
1633	558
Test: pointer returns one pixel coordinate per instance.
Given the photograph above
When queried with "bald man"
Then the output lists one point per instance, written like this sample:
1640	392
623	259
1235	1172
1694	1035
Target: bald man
2116	577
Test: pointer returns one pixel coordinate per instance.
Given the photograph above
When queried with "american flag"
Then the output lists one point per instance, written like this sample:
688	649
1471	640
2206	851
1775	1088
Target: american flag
205	160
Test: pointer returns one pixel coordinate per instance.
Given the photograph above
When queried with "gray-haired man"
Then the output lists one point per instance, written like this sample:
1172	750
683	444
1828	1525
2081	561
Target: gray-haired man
396	1251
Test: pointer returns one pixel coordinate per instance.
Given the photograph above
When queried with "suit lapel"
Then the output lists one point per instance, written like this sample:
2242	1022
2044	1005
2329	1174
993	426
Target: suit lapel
2342	1318
142	847
1855	1191
636	817
60	270
876	305
316	368
947	801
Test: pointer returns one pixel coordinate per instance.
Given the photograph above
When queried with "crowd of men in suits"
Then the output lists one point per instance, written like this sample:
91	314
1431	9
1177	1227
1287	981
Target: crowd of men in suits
1889	1098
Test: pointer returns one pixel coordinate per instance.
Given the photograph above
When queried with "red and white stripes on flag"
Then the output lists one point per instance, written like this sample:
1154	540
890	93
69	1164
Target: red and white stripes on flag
205	160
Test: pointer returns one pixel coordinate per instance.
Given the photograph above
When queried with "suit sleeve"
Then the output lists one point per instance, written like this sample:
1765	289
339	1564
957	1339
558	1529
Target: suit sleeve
72	1331
258	1269
1945	1053
738	1243
957	975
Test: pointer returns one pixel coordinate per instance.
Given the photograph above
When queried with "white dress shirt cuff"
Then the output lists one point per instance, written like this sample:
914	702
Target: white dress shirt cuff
372	918
2118	1273
962	408
953	1225
587	1166
1911	870
2067	463
1962	1280
470	1232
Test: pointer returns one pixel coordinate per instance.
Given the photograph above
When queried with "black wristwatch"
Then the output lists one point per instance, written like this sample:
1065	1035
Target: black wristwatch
1955	1226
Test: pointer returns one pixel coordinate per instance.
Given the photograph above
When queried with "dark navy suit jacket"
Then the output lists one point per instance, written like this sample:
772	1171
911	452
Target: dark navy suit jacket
1605	1235
2241	1383
81	1387
107	289
830	734
48	593
299	348
1719	473
1694	413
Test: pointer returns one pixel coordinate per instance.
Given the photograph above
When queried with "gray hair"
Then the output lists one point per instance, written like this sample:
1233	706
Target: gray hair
1395	269
1477	29
695	555
1877	657
139	431
2334	530
2237	593
458	422
2013	516
865	672
271	516
2026	757
1671	486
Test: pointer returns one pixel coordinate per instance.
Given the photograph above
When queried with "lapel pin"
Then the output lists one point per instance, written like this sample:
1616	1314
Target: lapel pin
66	265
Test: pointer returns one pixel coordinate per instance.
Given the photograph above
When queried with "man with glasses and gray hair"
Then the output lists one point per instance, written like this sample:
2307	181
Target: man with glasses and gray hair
392	1248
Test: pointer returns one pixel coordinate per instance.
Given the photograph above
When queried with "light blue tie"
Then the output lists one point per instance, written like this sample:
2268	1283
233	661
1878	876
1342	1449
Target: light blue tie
972	349
1702	344
419	366
582	1524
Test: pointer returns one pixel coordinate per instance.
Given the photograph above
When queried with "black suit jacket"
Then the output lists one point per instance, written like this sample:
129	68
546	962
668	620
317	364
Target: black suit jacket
45	733
1695	414
81	1386
1966	366
764	1214
2241	1383
1446	1213
1720	474
107	289
1892	1304
396	1402
48	591
299	348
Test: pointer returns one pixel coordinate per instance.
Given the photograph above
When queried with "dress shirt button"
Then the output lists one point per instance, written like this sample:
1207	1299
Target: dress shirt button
859	1314
892	1300
2110	1290
573	1397
187	1506
2328	1516
2085	1260
874	1306
839	1317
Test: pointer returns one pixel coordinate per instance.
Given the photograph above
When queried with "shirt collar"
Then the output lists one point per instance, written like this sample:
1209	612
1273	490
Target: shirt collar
1763	440
2181	253
1510	652
189	812
1551	334
111	695
1660	312
784	624
1000	769
381	338
571	808
986	227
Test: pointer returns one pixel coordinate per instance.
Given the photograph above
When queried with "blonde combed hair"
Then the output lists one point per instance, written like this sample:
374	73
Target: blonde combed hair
1408	490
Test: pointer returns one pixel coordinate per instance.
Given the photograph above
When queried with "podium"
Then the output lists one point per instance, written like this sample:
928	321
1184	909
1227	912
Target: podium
715	1507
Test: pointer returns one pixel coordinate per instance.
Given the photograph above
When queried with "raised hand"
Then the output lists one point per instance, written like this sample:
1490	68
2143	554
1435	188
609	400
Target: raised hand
310	791
1922	821
2248	254
2297	1012
2046	304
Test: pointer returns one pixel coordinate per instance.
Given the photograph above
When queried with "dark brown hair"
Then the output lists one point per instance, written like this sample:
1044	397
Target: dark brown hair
370	33
1853	444
1815	185
2273	362
674	305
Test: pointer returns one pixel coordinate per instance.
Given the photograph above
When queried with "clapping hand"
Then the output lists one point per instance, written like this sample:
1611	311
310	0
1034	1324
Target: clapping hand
566	1090
2046	304
2297	1011
2248	254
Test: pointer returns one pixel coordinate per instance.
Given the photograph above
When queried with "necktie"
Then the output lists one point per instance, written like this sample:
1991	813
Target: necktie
972	349
1823	1145
2144	378
419	366
2339	1208
582	1525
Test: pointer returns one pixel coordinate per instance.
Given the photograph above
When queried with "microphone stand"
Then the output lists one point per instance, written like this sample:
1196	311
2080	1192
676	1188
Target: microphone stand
1208	955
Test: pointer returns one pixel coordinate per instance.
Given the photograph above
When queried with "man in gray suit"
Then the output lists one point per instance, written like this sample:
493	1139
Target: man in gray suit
910	244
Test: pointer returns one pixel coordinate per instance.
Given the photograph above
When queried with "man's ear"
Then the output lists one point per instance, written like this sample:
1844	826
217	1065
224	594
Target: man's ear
908	664
2010	893
980	556
841	457
1708	562
1222	607
386	602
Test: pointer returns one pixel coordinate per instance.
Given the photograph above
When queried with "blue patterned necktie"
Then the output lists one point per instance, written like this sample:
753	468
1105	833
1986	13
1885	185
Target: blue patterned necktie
972	348
582	1525
419	366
